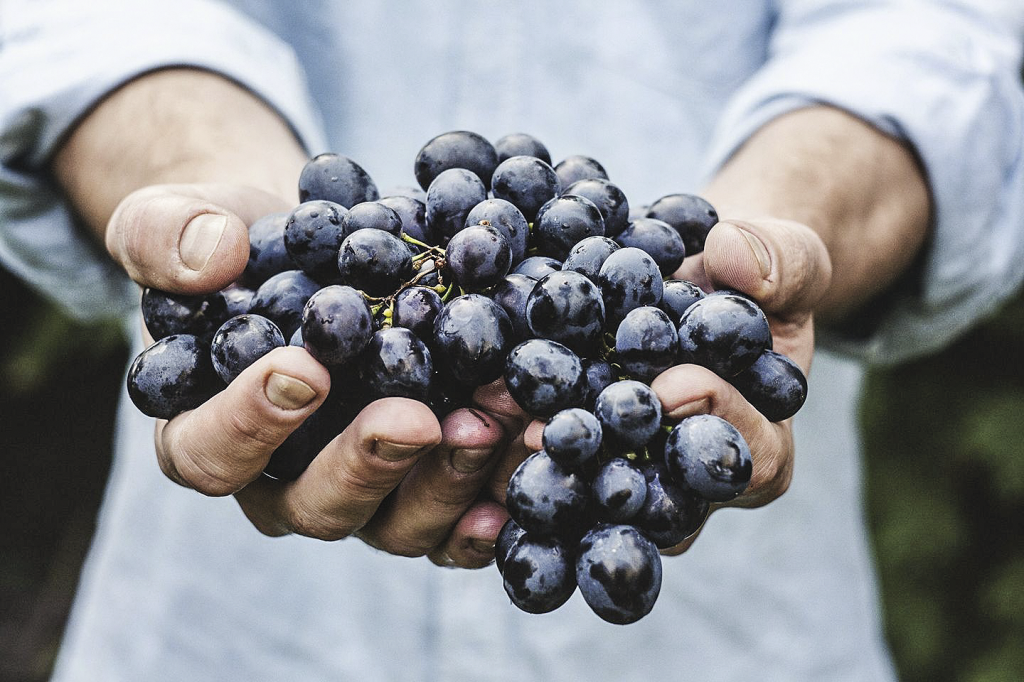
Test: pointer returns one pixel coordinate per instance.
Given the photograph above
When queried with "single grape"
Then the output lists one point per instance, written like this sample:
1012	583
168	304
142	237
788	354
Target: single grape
336	178
578	167
371	215
691	216
241	341
282	297
267	253
416	308
597	375
538	575
670	513
572	438
564	221
336	324
548	500
658	239
507	537
450	198
478	257
618	491
374	261
646	343
312	236
707	455
608	198
527	182
774	384
237	299
629	279
588	255
472	335
725	333
511	294
405	191
567	307
507	219
396	363
544	377
456	149
630	414
521	144
173	375
165	314
537	266
678	295
413	214
619	573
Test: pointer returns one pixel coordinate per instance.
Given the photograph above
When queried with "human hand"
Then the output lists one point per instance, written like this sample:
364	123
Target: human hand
400	484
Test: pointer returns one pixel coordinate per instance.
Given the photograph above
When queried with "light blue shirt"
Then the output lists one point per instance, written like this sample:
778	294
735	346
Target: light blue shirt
179	586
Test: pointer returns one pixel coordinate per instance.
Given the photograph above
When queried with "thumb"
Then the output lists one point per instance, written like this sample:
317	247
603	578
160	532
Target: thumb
186	239
782	264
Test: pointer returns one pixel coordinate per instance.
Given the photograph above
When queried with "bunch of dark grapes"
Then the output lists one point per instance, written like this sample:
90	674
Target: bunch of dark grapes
500	265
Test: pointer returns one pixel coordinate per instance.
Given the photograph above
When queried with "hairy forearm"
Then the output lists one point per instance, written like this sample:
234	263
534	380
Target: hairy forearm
860	190
175	126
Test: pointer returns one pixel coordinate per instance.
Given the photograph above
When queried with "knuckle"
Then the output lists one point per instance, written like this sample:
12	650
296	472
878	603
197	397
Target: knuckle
318	526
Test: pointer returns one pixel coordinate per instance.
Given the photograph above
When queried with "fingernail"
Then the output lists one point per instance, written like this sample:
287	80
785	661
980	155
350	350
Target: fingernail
468	461
200	238
482	546
764	260
702	406
287	392
395	452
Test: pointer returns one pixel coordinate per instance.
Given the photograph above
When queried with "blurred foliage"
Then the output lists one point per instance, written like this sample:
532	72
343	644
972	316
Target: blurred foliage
944	441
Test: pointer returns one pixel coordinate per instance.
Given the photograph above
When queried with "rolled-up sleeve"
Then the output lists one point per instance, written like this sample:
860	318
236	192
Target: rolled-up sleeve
58	59
944	77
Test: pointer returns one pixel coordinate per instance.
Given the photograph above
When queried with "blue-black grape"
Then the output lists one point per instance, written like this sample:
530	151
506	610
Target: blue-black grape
237	299
396	363
619	573
578	167
725	333
173	375
312	236
416	308
336	178
588	255
608	198
521	144
371	215
539	575
658	239
241	341
598	375
646	343
336	324
472	336
629	279
547	499
374	261
456	149
267	253
567	307
526	182
690	215
282	297
618	491
450	198
709	456
544	376
774	384
678	295
572	438
413	214
564	221
507	219
512	293
537	266
630	414
165	313
508	535
478	257
670	513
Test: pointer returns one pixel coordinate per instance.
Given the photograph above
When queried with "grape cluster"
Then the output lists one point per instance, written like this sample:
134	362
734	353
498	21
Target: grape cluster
500	266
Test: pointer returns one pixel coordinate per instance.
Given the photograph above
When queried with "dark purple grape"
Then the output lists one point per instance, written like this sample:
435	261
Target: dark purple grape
456	149
526	182
563	222
567	307
725	333
173	375
646	343
588	255
507	537
598	375
511	294
537	267
619	573
373	215
691	216
521	144
538	575
332	177
312	235
450	198
282	298
629	279
678	295
416	308
670	513
618	491
507	219
405	191
658	239
336	325
267	253
544	377
472	335
608	198
578	167
548	500
572	438
374	261
478	257
774	384
199	315
707	455
413	214
237	299
630	415
241	341
396	363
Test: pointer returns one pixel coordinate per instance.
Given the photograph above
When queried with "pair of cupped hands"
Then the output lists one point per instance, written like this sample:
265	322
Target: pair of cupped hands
396	478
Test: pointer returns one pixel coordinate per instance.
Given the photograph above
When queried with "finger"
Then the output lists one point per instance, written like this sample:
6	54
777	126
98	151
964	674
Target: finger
423	509
226	442
347	481
471	543
186	239
686	390
495	399
692	270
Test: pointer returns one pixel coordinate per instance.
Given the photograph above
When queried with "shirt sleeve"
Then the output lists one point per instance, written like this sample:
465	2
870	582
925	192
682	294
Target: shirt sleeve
58	59
944	77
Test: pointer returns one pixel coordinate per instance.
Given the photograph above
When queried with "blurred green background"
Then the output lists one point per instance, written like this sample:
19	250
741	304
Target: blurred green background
944	487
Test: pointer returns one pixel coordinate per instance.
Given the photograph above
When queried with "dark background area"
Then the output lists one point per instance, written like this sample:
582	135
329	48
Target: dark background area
944	487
